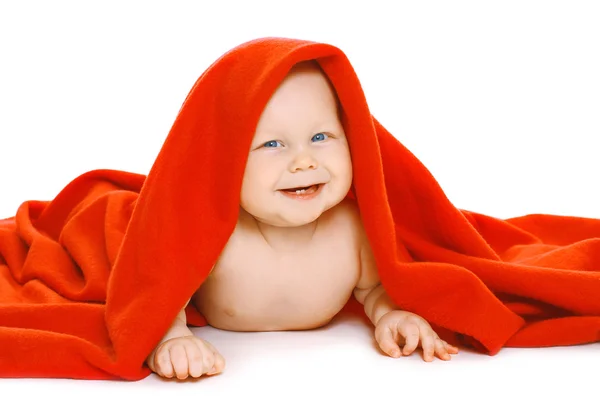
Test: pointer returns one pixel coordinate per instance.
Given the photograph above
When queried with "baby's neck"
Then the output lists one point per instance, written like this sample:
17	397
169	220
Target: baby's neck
287	238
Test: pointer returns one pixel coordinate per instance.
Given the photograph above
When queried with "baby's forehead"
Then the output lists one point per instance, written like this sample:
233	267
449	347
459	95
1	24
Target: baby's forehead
312	66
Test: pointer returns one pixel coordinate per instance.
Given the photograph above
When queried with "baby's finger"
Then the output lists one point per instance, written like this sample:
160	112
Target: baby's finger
207	344
387	343
219	364
440	350
428	345
410	332
162	362
450	348
214	361
209	361
196	359
179	361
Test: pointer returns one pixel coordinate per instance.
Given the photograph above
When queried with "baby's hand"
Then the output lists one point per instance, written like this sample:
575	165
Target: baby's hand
186	356
404	328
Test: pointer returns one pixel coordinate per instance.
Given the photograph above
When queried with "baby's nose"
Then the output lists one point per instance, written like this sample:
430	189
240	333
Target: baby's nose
304	161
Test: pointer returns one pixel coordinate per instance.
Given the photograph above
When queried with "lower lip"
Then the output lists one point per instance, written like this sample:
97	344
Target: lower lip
303	196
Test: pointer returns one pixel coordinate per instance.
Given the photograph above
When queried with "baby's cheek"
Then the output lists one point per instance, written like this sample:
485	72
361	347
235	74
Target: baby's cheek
253	198
246	199
344	176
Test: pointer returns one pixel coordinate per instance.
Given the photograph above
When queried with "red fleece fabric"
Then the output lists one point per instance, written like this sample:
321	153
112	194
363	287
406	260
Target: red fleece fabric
91	281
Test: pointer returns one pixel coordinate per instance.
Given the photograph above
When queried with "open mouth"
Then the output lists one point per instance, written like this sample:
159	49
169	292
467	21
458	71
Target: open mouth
303	192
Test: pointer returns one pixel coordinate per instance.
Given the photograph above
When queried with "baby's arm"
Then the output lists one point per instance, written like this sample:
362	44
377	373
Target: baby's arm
369	291
181	354
179	327
394	327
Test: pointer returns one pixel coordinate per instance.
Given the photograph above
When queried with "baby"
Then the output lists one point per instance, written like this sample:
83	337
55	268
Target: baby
298	251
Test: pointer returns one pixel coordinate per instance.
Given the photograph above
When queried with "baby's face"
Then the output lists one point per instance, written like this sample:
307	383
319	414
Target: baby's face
299	141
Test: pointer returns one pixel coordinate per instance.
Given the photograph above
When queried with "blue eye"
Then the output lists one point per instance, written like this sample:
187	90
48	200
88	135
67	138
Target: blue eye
271	144
319	135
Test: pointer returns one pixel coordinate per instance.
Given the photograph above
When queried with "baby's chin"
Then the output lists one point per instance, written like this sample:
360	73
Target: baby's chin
289	220
284	216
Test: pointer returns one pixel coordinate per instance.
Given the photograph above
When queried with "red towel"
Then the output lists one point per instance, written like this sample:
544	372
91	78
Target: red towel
91	281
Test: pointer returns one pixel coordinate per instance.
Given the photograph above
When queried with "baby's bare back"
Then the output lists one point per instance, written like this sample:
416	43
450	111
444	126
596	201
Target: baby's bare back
254	287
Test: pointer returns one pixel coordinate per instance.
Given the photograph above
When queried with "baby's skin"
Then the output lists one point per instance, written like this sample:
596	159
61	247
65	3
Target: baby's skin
295	258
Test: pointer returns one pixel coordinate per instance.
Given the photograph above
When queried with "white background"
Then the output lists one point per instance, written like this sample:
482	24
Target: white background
500	100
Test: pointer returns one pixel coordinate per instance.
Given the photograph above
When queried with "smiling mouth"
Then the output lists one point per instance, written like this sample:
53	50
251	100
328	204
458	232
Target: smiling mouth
305	191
